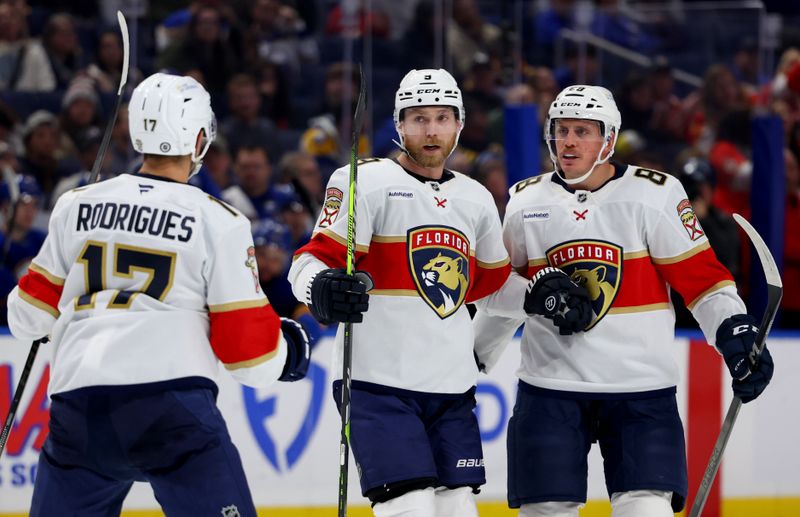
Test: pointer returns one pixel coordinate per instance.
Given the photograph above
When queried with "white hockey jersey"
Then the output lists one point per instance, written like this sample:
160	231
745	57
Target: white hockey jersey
430	246
142	280
625	242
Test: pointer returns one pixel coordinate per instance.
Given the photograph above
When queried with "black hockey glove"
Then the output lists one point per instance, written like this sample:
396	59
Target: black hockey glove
553	295
298	351
735	338
339	297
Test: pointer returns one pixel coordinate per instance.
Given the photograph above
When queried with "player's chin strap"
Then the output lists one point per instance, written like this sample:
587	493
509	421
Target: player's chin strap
598	161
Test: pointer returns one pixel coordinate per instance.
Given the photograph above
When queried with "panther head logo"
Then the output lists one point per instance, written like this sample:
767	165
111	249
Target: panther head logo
439	261
594	265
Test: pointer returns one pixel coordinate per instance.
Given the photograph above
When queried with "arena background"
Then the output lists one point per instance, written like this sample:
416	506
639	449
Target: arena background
709	92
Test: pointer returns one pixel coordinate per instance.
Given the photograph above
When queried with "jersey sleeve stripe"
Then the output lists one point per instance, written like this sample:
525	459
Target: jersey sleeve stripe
641	284
485	280
639	308
636	254
37	290
343	241
53	279
244	334
394	292
251	362
329	249
39	304
713	288
233	306
683	256
696	275
492	265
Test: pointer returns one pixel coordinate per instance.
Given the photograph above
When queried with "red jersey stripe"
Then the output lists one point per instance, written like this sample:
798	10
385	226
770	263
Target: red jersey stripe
38	290
244	335
486	280
696	275
330	249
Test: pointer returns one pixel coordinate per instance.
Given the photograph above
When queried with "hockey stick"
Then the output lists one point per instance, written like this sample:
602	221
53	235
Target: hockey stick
26	371
774	294
344	443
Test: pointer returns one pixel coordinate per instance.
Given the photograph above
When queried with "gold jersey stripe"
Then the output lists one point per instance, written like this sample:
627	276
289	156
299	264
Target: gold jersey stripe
234	306
252	362
39	304
683	256
394	292
388	238
635	255
639	308
492	265
53	279
343	241
715	287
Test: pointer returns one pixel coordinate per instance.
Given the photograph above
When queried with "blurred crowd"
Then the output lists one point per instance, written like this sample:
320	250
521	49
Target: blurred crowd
283	93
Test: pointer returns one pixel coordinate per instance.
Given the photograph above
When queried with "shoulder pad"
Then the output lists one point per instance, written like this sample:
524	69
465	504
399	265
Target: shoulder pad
228	208
523	184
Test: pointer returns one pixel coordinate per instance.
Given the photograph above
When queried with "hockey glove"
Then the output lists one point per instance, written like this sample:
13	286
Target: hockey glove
298	351
751	374
553	295
339	297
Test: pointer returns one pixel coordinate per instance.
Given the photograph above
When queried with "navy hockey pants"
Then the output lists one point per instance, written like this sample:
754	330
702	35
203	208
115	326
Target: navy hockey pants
100	443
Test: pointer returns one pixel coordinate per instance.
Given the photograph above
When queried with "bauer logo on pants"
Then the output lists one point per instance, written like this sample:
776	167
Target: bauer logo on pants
595	265
438	258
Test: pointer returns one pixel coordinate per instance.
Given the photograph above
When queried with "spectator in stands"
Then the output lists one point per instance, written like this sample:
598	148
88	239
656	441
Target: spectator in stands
277	34
720	94
298	219
63	50
272	245
490	171
301	171
244	124
276	105
668	116
328	135
636	103
206	50
23	61
790	304
24	240
730	158
122	157
570	71
41	136
106	68
545	88
613	24
697	179
547	23
79	111
469	35
87	145
745	66
419	41
482	82
363	20
254	195
215	175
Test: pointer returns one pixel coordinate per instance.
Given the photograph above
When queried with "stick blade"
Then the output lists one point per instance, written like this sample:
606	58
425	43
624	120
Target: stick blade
771	272
126	51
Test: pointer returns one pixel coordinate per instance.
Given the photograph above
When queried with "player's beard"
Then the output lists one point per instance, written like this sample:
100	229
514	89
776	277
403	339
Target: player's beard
431	160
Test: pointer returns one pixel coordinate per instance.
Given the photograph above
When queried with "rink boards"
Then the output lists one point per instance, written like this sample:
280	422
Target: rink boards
288	436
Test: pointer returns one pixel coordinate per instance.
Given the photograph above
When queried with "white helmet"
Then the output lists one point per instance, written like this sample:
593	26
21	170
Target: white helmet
427	88
165	115
589	103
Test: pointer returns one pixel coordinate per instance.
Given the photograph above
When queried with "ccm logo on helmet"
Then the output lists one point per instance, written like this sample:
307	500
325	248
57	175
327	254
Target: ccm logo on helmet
429	90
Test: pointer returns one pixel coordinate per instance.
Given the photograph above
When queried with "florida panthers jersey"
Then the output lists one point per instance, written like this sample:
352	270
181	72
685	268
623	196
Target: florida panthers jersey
626	242
430	246
144	280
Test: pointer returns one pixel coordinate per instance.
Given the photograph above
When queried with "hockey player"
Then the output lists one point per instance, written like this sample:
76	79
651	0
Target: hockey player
145	284
428	240
594	246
